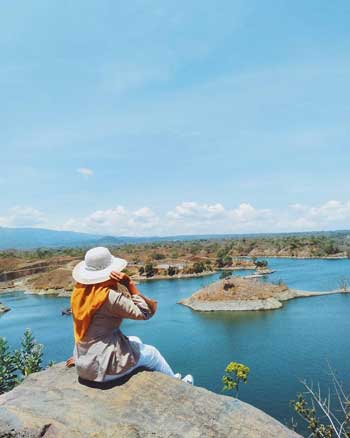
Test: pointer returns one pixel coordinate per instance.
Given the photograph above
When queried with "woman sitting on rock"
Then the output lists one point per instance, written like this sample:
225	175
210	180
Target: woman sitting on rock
102	298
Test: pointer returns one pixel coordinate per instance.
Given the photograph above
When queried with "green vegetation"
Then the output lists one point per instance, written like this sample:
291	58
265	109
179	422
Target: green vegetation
14	366
7	367
149	270
198	267
261	263
172	271
225	274
223	250
158	256
235	373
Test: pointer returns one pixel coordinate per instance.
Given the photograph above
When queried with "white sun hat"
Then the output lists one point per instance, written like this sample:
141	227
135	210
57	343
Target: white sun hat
97	266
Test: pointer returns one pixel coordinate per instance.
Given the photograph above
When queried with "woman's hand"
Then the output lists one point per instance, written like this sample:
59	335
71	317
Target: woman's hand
120	277
70	362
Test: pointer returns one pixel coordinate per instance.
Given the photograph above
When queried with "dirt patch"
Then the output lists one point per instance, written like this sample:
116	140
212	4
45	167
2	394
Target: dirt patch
239	289
60	278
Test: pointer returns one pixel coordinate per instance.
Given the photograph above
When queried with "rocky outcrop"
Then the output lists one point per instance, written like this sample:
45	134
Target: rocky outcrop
53	404
245	294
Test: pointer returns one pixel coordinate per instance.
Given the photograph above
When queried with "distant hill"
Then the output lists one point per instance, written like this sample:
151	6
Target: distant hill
29	238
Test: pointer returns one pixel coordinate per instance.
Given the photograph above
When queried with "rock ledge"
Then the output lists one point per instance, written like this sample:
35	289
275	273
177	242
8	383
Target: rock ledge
53	404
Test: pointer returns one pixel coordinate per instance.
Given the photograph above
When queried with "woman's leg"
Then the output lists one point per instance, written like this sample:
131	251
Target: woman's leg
153	360
150	358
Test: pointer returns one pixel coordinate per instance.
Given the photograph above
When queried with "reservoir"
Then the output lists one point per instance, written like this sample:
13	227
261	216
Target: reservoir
281	347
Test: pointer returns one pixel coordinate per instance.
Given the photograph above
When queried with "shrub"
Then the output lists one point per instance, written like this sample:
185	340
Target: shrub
261	263
227	260
7	367
326	416
158	256
235	373
220	262
225	274
172	271
198	267
149	270
29	358
19	364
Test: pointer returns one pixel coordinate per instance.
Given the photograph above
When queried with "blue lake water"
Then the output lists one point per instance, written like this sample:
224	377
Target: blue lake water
280	347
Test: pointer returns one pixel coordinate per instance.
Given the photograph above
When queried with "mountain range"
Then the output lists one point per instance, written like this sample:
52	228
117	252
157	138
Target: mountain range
30	238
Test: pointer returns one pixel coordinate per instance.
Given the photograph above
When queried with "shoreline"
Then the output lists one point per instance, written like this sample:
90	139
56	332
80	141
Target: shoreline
173	277
271	303
297	257
238	268
21	286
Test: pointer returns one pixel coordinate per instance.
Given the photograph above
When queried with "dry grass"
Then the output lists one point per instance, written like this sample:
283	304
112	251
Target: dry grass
238	289
60	278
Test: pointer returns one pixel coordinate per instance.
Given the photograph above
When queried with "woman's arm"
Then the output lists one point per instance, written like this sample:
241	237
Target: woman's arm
126	281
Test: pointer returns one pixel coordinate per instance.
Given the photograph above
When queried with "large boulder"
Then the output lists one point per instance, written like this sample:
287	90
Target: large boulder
53	404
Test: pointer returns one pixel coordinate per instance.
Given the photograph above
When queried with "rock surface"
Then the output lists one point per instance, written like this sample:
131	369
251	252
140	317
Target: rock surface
53	404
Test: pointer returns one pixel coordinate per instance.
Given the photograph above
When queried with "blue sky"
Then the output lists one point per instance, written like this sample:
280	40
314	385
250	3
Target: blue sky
164	117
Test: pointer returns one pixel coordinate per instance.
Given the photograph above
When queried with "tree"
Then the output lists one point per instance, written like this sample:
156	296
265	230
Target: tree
28	358
149	270
15	366
227	260
198	267
7	367
158	256
261	263
172	271
225	274
220	262
208	265
329	247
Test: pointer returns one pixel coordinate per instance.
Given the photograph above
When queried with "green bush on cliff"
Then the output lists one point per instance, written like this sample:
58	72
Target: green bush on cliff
7	367
28	358
235	373
14	366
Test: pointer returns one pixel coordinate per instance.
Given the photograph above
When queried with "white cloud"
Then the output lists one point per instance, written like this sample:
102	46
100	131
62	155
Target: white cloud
194	218
333	213
192	210
85	171
23	217
204	218
116	221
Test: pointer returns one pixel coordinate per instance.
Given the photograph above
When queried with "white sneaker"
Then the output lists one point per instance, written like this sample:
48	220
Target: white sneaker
178	376
188	379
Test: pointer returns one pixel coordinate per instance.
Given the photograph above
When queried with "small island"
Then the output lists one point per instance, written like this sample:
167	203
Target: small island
245	294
